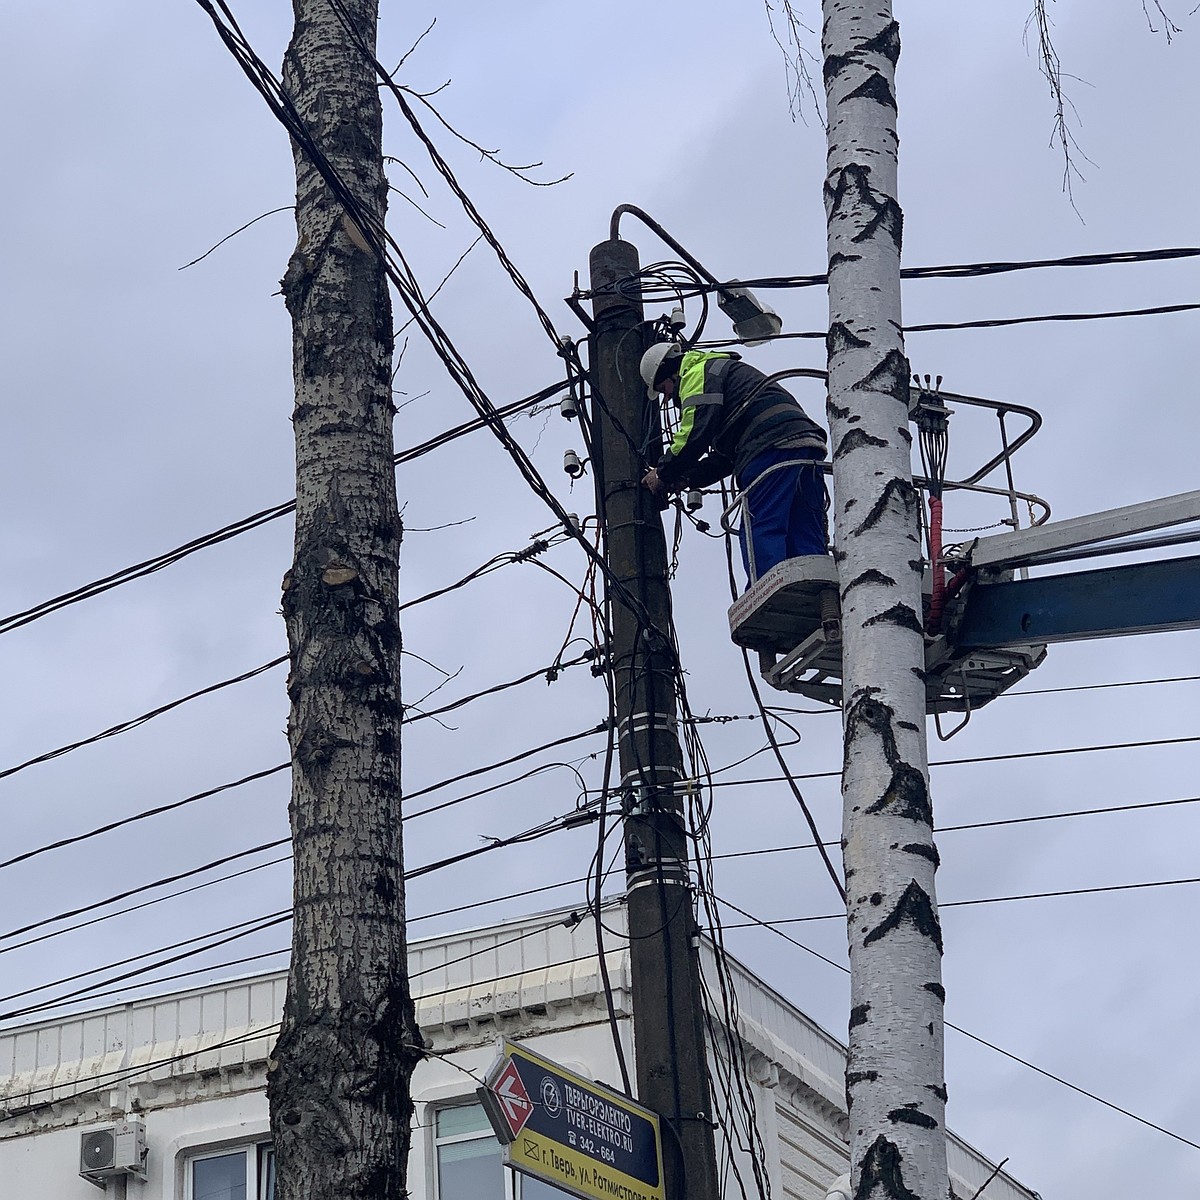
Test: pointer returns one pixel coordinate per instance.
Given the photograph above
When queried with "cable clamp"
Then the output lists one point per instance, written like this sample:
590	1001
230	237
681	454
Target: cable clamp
664	872
641	722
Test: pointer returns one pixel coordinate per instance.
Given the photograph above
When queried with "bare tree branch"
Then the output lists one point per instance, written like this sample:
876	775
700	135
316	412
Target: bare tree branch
493	156
799	80
404	196
242	229
989	1179
1051	67
389	81
1169	27
432	295
389	158
408	53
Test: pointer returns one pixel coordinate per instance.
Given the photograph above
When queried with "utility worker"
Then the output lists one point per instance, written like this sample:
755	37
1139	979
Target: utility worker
734	420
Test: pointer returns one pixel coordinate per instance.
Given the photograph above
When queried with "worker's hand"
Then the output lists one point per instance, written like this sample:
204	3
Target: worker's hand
653	484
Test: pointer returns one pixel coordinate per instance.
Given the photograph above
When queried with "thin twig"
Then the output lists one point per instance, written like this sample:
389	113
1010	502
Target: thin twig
399	357
1169	26
436	528
493	156
410	400
441	87
285	208
1051	67
391	158
415	44
989	1179
432	665
404	196
445	279
796	72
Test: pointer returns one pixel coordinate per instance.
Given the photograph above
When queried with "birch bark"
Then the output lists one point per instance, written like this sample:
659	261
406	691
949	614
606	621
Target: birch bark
895	1076
338	1083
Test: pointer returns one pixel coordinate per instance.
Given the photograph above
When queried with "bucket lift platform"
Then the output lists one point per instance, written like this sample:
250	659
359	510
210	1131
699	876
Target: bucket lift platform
791	617
995	620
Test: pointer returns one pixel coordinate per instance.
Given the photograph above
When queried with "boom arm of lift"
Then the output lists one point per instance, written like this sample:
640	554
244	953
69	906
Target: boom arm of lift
997	627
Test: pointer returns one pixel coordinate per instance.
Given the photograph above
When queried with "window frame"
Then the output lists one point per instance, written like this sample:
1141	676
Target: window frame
436	1142
514	1181
256	1154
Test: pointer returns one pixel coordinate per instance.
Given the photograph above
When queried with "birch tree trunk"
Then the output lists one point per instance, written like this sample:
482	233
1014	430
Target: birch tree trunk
895	1076
339	1078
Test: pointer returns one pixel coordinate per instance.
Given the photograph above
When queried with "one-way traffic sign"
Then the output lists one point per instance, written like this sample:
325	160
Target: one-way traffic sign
513	1098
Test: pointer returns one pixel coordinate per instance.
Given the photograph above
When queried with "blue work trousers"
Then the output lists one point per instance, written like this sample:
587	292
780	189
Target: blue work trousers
784	509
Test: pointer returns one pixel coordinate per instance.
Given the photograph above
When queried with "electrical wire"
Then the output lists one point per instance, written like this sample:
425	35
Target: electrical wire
507	558
145	887
121	1074
1082	891
487	791
728	856
170	557
776	749
571	820
124	1073
507	762
226	935
949	271
135	722
429	714
144	815
122	912
985	323
1000	821
231	933
1096	687
756	921
400	274
958	762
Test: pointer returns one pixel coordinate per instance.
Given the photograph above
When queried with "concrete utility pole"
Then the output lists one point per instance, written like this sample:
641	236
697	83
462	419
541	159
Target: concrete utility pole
668	1025
338	1083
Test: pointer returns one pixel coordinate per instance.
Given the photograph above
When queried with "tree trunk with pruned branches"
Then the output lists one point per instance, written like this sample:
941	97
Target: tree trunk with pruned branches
895	1075
339	1077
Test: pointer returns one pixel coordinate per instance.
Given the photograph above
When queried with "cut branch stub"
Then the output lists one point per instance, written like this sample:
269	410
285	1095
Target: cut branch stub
866	711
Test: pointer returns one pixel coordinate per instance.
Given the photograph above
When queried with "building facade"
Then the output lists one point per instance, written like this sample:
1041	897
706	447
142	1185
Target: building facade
191	1068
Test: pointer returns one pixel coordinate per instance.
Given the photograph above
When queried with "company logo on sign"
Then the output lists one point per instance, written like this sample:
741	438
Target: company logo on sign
550	1096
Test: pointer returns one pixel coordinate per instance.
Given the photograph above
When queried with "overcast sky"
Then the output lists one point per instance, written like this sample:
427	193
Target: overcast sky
145	406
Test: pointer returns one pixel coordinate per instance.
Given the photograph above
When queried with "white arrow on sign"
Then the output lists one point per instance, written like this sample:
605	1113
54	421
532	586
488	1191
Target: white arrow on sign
513	1097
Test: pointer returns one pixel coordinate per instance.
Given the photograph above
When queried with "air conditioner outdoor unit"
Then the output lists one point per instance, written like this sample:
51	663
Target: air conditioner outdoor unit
113	1150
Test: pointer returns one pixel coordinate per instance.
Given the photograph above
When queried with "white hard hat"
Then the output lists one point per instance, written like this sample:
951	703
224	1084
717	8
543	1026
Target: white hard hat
652	362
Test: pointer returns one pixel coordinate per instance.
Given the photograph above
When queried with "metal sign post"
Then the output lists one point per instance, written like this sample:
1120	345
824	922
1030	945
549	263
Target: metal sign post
580	1136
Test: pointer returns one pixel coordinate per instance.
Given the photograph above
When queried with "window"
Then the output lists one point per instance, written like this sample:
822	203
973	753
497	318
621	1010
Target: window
467	1156
241	1173
467	1161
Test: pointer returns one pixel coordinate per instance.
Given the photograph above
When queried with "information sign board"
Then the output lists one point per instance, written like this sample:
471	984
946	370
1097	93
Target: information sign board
580	1136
